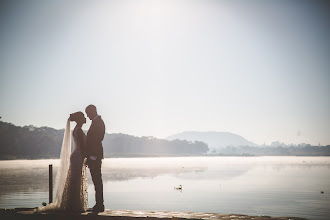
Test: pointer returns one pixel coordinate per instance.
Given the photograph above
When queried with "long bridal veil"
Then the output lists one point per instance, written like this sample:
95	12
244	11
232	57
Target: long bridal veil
64	165
61	172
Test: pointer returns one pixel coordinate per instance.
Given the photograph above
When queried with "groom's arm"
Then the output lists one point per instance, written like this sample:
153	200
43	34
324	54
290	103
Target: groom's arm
100	132
94	139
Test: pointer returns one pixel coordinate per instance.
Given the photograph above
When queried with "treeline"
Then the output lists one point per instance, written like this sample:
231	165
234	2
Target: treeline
30	142
127	145
307	150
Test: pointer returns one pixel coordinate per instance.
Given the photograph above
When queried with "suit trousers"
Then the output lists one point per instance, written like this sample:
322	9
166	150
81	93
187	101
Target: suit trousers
95	169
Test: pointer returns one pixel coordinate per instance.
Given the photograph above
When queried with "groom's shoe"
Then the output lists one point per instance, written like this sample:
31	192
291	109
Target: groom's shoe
98	208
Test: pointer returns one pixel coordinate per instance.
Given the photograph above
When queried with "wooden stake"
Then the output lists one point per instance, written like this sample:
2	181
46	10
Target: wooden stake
50	183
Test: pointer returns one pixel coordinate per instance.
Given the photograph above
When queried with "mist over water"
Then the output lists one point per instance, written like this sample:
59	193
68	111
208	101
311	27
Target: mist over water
275	186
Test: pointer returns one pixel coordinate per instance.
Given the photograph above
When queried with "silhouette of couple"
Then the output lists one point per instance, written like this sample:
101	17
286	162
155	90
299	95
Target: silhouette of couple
71	178
89	147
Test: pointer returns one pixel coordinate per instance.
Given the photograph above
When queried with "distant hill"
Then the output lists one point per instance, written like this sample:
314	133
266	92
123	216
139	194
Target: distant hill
213	139
30	142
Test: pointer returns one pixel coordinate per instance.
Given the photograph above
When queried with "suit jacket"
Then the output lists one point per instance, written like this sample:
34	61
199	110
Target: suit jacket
95	137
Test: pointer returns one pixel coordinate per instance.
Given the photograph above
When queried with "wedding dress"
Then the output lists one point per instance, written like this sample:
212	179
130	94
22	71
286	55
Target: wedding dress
71	178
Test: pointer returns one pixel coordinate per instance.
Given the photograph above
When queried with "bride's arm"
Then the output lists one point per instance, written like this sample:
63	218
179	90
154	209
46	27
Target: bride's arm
82	141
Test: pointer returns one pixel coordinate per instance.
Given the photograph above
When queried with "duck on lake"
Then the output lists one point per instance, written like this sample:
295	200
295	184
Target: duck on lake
178	188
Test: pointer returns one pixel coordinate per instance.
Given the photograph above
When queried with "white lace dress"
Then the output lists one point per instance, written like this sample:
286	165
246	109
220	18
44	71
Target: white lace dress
73	198
75	190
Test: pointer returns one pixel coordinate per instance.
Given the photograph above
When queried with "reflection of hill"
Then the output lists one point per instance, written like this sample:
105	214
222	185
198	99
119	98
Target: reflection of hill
182	168
128	174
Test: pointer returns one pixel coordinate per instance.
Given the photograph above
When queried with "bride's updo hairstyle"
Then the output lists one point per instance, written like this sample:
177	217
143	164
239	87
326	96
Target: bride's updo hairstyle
77	116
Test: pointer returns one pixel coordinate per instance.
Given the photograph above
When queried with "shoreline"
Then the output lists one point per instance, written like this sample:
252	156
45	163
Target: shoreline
28	213
178	156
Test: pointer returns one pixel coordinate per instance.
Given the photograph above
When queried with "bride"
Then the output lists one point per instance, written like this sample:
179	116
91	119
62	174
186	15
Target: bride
71	178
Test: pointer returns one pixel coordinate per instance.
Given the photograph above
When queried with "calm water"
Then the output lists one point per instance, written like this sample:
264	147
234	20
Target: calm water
275	186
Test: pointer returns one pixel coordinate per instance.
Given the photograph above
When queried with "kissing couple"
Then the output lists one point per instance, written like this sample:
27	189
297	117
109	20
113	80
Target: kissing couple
71	179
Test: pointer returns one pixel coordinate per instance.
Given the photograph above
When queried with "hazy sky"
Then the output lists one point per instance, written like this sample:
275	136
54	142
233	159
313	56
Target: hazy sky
259	69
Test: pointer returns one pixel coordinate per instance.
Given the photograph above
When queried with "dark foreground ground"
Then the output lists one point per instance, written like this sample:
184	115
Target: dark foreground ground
28	213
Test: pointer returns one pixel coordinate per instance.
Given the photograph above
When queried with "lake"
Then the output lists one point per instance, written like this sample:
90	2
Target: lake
275	186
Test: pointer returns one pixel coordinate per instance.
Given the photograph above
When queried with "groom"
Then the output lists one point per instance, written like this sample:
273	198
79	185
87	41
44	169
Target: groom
94	151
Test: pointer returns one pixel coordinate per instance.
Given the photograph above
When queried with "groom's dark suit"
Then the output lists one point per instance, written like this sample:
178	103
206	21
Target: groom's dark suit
94	148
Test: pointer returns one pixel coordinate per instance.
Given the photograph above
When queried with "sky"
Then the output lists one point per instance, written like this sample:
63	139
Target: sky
256	68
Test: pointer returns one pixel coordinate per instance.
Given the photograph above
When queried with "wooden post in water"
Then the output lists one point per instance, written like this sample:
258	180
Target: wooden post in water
50	183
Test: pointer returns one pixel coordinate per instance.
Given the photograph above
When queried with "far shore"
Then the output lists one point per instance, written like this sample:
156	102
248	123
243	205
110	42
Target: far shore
169	156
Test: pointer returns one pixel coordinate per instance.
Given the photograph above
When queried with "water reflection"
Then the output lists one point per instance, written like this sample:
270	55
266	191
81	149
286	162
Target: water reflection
32	175
277	186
